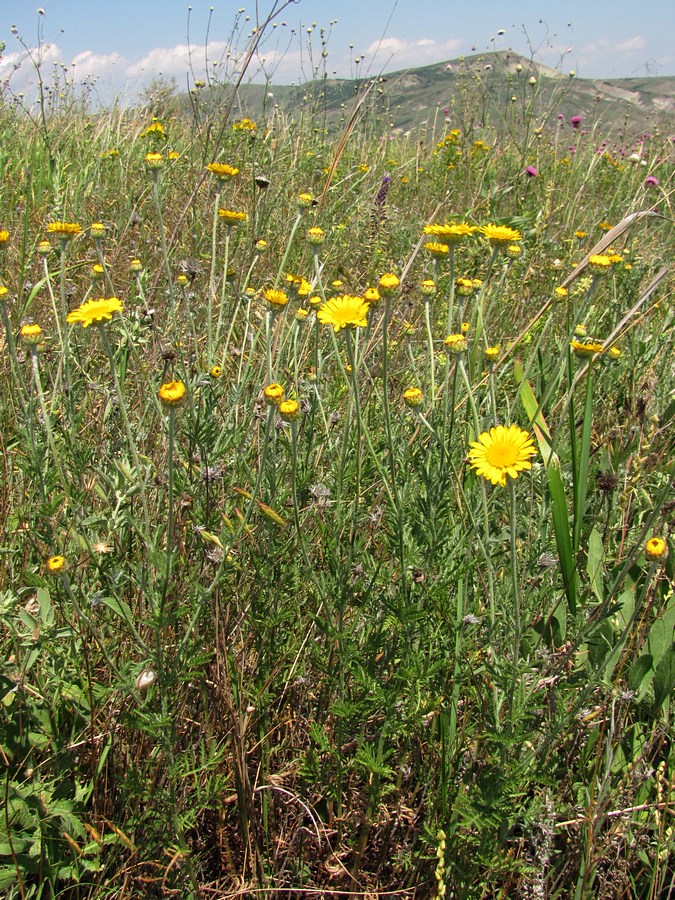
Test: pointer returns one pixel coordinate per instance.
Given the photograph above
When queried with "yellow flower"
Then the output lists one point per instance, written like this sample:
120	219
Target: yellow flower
222	171
451	233
97	230
614	353
4	237
514	251
136	265
372	295
97	271
56	564
215	371
154	161
156	129
273	394
260	246
501	451
437	250
498	235
182	279
428	287
32	334
94	311
3	292
305	201
413	397
492	353
64	230
456	343
561	292
275	299
655	549
301	314
464	286
344	312
171	394
289	410
244	125
173	155
580	234
232	218
466	328
316	235
388	283
43	248
599	264
586	349
605	226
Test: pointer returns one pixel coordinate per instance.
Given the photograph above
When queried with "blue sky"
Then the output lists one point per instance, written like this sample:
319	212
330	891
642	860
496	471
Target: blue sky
124	43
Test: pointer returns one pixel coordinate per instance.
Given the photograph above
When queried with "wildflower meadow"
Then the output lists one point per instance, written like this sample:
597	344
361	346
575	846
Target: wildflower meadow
337	502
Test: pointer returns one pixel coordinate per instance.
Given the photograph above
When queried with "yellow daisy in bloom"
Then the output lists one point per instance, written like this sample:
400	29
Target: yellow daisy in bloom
155	129
232	218
492	353
372	295
171	394
388	283
64	230
456	343
94	311
273	394
514	251
56	564
599	264
215	371
499	235
605	226
586	349
580	234
344	312
316	235
464	286
3	292
97	271
501	451
413	397
614	353
451	233
222	171
437	250
655	549
154	161
305	201
275	299
174	155
466	327
244	125
31	334
289	410
4	237
614	258
561	292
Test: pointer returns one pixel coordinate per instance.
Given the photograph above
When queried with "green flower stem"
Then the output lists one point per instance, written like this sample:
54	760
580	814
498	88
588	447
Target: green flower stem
480	326
127	425
15	380
515	588
223	293
451	298
287	250
470	397
432	359
46	419
311	570
162	241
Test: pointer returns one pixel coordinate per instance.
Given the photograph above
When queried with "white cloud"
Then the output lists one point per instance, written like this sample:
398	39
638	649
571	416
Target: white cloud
632	44
401	53
90	63
176	60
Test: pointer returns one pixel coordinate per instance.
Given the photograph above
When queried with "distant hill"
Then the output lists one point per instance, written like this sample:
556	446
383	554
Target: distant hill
486	90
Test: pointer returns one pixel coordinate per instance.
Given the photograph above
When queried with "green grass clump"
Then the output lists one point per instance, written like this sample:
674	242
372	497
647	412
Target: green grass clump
265	626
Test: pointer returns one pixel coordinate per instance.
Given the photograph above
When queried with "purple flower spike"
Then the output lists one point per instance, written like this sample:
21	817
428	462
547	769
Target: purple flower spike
575	121
531	171
651	181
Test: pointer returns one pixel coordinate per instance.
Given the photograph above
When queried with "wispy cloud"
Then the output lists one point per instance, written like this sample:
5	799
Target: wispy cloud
402	53
632	44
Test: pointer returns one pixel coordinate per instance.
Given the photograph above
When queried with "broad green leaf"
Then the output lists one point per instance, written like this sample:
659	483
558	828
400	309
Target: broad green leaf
594	562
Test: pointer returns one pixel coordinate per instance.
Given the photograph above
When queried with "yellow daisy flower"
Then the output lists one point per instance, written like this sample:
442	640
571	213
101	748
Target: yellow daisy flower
94	311
232	218
56	564
500	235
275	299
501	451
171	394
451	233
344	312
655	549
64	230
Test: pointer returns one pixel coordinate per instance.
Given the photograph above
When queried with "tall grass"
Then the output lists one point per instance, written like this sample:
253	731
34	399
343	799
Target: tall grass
322	655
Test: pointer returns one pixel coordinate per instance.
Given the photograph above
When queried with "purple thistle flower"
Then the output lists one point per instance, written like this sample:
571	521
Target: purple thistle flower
575	121
651	181
531	171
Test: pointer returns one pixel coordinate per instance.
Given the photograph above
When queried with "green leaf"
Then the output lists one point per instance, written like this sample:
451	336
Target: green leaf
638	672
664	677
594	562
